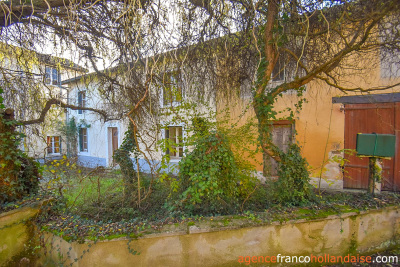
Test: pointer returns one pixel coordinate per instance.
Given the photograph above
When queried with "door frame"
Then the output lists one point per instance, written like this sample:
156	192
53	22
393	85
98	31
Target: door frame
110	150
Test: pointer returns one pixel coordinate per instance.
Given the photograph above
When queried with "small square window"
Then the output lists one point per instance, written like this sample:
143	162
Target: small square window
53	144
52	76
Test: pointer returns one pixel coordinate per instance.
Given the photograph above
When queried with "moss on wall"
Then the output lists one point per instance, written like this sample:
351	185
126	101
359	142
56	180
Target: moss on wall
18	237
217	244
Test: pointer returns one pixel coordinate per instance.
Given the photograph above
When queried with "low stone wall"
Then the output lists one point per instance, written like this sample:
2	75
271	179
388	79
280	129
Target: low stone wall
16	234
204	245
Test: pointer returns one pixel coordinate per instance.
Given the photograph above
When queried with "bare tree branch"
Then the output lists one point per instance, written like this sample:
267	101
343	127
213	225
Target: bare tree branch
54	101
15	10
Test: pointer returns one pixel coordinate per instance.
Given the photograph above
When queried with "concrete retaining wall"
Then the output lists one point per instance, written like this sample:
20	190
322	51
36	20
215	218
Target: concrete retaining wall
16	234
202	245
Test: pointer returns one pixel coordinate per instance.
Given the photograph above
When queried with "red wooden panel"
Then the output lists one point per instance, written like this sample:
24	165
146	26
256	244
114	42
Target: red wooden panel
396	173
367	118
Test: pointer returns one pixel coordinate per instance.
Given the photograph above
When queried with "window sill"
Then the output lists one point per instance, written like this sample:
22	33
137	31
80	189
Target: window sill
53	154
173	104
174	160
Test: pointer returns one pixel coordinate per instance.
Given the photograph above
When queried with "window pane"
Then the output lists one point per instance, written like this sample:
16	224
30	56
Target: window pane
84	139
179	135
81	101
47	75
278	73
172	89
179	95
55	76
80	139
49	145
167	137
172	140
174	135
56	144
167	96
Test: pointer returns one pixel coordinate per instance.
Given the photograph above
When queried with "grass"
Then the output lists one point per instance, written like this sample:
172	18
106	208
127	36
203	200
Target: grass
92	190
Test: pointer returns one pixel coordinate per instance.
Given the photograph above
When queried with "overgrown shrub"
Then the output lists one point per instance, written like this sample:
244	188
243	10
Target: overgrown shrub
19	174
208	178
293	185
122	157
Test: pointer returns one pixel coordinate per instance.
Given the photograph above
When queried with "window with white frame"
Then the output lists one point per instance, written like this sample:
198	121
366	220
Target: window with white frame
53	144
52	76
278	73
83	139
172	88
174	136
81	101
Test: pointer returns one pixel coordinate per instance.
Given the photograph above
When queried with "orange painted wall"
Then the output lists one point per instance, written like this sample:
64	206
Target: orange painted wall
320	124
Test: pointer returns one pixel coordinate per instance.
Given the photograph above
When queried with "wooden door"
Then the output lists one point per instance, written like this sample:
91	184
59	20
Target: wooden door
368	118
282	137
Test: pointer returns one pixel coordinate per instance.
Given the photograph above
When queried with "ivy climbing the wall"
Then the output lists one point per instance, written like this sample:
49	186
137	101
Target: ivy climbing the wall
293	185
19	174
122	156
208	177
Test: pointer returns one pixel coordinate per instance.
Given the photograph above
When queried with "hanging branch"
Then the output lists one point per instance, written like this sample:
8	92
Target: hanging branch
54	101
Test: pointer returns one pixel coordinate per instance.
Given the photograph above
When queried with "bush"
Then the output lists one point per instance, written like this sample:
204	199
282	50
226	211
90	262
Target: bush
293	186
208	178
19	174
